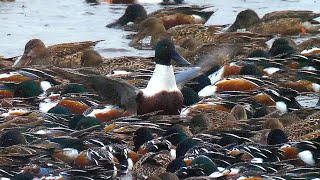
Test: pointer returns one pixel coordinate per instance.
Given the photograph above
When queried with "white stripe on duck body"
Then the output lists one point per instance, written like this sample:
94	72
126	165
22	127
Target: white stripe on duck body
162	93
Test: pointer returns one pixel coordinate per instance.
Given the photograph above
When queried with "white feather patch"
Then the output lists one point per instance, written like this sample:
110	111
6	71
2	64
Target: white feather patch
281	106
207	91
271	70
307	157
46	106
162	79
45	85
316	87
216	76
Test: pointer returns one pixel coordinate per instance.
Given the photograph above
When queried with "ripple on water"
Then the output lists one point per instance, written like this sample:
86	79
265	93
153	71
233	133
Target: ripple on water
59	21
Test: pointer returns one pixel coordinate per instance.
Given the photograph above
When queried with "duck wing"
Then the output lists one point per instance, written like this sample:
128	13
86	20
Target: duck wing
112	90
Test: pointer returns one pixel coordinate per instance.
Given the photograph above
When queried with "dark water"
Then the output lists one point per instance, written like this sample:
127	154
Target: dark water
58	21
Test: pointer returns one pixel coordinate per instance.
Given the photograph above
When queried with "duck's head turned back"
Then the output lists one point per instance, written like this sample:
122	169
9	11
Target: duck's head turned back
245	19
134	13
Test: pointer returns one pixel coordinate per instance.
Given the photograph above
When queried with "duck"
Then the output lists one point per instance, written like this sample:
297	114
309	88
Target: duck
169	16
304	15
201	165
308	128
135	70
209	117
197	41
152	164
155	28
309	47
284	23
227	46
161	93
61	55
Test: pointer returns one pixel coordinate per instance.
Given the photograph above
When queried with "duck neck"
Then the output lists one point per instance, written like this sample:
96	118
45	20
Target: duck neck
163	79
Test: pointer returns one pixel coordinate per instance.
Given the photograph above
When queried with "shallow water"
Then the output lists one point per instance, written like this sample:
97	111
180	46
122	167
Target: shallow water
58	21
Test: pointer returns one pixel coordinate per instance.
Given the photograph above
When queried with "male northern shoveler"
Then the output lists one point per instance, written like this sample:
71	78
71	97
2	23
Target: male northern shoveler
61	55
283	22
161	93
170	16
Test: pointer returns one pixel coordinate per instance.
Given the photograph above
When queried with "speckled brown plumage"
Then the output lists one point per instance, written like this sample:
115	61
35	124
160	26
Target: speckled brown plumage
304	129
152	164
286	26
60	55
303	15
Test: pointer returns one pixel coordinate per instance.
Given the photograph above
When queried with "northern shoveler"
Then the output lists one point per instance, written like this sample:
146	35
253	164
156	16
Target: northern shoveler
170	16
147	167
155	28
161	93
61	55
283	22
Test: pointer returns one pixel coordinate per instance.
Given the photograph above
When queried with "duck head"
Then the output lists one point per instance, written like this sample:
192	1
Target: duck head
35	52
165	51
150	27
282	47
134	13
245	19
91	58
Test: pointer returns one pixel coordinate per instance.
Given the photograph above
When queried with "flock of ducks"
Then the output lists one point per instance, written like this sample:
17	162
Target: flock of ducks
215	102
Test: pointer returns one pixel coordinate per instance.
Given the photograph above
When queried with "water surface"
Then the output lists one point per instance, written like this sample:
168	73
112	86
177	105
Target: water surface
58	21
